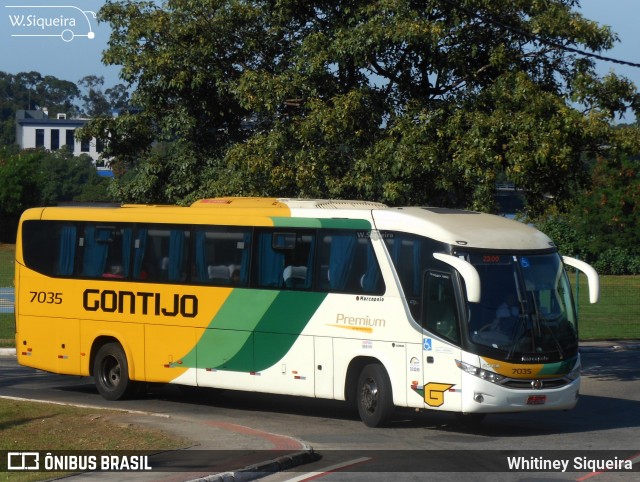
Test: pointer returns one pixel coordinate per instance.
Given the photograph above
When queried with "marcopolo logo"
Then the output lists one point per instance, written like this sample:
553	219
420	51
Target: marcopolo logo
64	21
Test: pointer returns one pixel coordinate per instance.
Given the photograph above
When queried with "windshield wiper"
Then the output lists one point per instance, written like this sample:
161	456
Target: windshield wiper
555	340
521	332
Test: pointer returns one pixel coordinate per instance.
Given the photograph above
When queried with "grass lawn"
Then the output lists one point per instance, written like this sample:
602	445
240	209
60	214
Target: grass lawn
7	330
617	313
7	256
41	426
7	321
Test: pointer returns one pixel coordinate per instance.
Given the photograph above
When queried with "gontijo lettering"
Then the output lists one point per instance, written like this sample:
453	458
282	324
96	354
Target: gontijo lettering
143	302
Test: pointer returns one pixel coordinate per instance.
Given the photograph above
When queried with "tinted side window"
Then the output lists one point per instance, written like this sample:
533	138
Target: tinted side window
221	256
440	315
347	263
161	253
49	247
284	259
407	255
106	251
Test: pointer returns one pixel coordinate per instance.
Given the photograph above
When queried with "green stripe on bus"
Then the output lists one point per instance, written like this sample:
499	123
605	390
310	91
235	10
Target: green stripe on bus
285	222
253	330
558	368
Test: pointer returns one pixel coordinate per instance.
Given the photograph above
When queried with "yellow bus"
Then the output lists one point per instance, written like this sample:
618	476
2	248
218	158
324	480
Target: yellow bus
427	308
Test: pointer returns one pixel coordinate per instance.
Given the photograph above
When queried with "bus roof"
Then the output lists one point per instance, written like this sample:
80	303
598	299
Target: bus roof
291	203
451	226
463	228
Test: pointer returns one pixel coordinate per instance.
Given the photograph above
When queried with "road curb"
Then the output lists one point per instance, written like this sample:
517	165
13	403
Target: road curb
610	346
263	469
7	352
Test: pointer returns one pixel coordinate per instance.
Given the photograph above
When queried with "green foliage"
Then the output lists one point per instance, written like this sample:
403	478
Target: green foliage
405	103
30	90
617	261
67	178
564	233
165	177
572	239
37	177
603	224
610	209
20	184
94	101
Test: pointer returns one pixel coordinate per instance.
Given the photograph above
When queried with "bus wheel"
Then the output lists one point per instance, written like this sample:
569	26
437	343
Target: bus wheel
374	398
111	372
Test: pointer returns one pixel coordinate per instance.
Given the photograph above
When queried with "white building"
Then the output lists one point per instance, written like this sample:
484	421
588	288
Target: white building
34	129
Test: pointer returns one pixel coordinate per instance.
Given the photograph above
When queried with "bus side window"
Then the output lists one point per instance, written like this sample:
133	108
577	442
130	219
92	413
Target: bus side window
67	250
370	281
106	251
285	259
95	249
140	264
166	253
269	263
298	271
347	263
119	254
49	247
440	306
221	256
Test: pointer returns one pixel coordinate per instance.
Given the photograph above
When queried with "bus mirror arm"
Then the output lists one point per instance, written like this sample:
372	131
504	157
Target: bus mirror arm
468	273
592	276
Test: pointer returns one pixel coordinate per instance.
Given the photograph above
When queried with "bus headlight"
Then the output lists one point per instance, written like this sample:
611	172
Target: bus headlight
479	372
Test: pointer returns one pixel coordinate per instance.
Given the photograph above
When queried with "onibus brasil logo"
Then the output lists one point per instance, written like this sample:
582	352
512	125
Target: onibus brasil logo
64	21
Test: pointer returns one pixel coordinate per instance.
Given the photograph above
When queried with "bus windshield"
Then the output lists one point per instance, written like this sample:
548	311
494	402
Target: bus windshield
526	310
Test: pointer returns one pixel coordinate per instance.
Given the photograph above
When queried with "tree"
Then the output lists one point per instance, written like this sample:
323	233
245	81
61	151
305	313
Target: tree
98	103
20	182
36	177
118	96
30	90
399	101
602	227
607	215
65	178
95	102
182	59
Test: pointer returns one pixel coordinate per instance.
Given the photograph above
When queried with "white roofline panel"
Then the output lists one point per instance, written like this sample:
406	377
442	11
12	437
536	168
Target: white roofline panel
463	228
332	204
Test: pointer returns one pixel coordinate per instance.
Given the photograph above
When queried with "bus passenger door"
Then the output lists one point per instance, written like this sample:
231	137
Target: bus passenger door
440	343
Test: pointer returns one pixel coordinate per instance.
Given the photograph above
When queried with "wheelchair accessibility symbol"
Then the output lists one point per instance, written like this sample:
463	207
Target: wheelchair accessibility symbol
426	344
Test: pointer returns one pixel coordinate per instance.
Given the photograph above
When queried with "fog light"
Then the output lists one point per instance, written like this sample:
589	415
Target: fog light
478	398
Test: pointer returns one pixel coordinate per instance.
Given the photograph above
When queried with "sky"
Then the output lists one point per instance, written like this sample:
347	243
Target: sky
63	39
56	37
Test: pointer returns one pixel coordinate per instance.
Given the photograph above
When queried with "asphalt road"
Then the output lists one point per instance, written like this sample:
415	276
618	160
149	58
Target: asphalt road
604	425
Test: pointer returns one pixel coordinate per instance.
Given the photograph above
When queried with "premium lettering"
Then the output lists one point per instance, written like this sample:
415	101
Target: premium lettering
343	319
142	302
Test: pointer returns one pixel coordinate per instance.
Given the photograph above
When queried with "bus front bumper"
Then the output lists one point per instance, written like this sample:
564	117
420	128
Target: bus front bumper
481	396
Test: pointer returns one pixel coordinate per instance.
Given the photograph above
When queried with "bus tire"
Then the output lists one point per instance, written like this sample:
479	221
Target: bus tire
111	372
374	396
